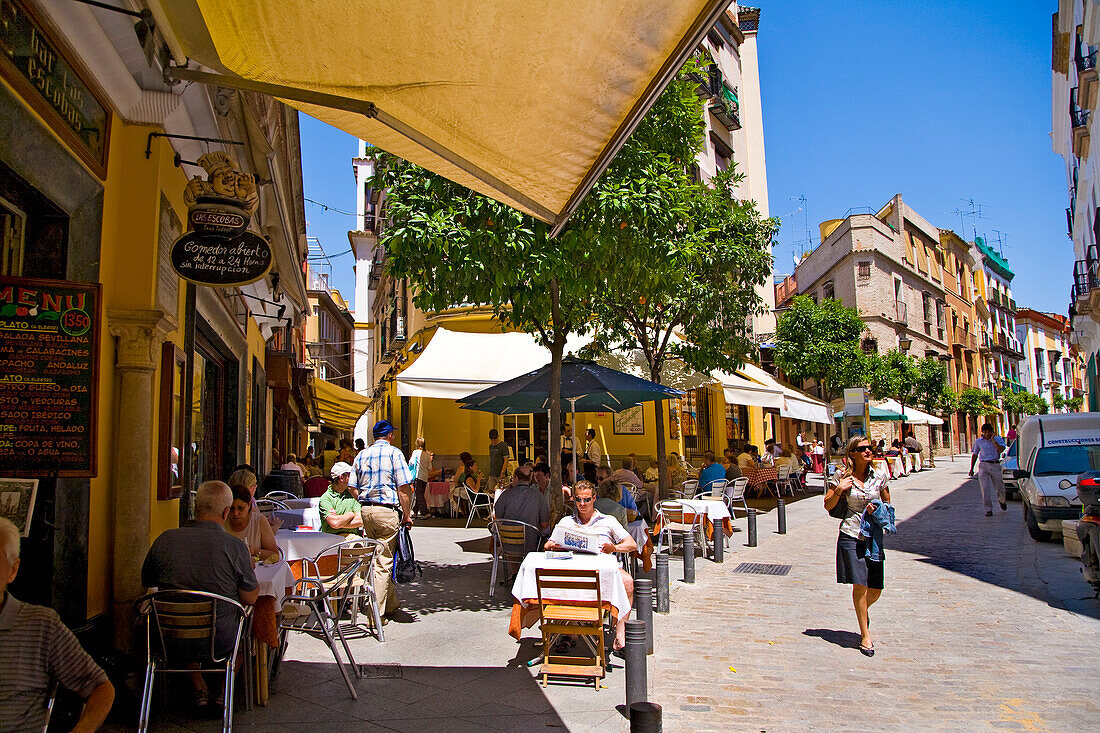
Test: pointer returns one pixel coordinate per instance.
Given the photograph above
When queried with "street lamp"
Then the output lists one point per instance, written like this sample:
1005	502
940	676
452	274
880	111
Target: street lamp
904	344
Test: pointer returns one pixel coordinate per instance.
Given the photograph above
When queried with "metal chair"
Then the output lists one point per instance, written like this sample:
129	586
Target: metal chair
641	498
714	491
267	506
280	496
478	501
582	615
735	491
509	545
783	480
670	515
187	619
687	489
345	554
308	611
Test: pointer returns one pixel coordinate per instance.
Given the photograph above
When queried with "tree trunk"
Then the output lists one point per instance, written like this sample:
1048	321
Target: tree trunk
659	425
557	348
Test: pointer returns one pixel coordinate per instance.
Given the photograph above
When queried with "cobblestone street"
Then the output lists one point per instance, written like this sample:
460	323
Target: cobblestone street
979	627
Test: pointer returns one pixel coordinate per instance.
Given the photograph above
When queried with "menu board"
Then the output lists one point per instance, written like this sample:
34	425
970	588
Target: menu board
49	362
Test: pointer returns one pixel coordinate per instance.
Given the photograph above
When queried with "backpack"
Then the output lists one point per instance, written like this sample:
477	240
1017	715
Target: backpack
405	567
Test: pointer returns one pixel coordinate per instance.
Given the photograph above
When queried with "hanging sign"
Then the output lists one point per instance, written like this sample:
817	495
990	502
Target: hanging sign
49	362
219	250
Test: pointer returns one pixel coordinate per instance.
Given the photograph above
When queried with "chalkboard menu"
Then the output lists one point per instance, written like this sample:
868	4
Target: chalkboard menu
49	363
222	262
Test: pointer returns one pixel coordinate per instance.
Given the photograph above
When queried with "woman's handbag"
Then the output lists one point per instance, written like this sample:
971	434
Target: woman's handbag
840	509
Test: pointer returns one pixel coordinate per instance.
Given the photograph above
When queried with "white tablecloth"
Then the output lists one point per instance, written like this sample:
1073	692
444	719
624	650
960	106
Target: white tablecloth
714	510
298	545
638	529
274	580
308	516
612	588
303	503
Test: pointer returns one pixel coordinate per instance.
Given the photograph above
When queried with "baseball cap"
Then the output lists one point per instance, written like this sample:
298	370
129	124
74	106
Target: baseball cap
339	469
382	427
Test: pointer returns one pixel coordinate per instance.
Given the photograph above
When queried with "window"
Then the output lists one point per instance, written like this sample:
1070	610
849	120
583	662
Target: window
927	298
12	226
864	271
940	320
828	292
869	345
723	153
517	434
909	249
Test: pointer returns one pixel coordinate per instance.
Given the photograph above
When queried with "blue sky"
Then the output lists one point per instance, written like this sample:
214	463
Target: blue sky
943	102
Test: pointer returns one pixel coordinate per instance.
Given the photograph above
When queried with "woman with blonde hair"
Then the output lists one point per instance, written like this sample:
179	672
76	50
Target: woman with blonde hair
857	485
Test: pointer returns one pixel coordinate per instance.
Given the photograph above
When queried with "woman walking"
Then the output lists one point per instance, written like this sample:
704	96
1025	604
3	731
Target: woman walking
858	485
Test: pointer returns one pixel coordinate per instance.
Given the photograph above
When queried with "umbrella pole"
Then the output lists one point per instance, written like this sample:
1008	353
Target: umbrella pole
573	410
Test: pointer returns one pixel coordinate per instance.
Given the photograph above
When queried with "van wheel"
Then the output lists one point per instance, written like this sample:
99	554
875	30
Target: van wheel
1037	533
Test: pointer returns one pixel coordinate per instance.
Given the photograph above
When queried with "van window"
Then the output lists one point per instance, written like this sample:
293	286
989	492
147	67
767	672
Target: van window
1012	449
1067	459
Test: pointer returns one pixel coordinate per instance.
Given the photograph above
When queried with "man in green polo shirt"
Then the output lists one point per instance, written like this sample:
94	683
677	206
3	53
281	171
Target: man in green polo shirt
339	509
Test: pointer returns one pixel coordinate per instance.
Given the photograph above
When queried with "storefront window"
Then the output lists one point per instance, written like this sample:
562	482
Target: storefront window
170	478
517	434
695	422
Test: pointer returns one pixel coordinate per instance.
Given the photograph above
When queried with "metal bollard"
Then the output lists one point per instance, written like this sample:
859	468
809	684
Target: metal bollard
719	542
662	583
643	608
645	717
752	527
781	515
637	685
689	556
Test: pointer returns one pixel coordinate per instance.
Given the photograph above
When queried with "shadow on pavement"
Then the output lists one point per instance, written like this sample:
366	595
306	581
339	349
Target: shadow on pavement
445	587
953	533
846	639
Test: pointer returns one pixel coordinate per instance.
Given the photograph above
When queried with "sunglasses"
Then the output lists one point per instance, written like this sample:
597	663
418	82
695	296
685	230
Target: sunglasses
584	501
862	449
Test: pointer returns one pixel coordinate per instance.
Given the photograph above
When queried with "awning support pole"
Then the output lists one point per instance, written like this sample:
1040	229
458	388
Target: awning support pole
367	109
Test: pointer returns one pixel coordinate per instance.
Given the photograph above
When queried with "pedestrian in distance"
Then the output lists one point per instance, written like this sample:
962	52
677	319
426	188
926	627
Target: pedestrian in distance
987	449
858	484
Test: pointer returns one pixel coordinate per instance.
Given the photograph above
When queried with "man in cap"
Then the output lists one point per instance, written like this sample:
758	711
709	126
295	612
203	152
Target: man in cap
381	475
339	508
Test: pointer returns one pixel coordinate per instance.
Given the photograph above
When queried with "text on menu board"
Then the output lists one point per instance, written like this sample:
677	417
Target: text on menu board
49	357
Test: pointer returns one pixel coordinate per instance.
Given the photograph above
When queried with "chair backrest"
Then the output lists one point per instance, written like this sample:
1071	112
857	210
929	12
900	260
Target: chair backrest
281	495
565	585
280	480
176	619
267	506
689	487
512	535
783	472
736	490
315	486
714	491
672	512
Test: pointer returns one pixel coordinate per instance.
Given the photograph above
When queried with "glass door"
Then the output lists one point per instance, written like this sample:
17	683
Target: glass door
517	434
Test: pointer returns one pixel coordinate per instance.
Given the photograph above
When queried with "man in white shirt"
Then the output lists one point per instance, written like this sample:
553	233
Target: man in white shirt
626	476
612	538
593	451
771	451
988	449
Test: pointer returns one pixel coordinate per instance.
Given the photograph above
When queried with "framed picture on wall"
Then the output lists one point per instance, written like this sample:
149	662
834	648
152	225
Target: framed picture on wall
630	421
17	501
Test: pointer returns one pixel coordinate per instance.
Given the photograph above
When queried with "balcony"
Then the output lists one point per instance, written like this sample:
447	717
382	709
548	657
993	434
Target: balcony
709	79
900	315
1086	76
726	108
1009	346
1010	305
966	340
1079	384
1085	294
786	290
986	342
1079	121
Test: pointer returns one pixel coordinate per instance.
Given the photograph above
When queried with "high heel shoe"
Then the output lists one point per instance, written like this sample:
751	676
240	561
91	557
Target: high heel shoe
867	651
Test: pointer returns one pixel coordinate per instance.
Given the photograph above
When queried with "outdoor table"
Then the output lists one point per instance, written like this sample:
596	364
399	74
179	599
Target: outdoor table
311	503
274	582
307	517
713	511
298	545
881	464
897	466
438	494
525	612
639	530
760	476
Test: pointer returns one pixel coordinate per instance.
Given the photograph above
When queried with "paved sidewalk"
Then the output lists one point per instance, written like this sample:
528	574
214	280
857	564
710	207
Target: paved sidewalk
979	628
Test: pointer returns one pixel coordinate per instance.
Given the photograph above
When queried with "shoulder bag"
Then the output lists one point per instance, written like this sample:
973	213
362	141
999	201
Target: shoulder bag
405	566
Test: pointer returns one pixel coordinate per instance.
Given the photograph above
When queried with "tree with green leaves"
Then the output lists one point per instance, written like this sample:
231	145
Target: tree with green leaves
1057	400
895	375
978	403
1075	403
1025	403
821	343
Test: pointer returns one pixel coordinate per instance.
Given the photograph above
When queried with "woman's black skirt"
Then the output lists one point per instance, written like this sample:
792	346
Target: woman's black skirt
852	567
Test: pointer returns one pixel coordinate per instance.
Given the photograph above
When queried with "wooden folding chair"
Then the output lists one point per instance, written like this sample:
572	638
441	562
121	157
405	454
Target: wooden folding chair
511	542
581	615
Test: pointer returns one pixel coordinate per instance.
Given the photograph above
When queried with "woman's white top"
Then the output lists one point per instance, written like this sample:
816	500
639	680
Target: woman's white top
860	497
250	535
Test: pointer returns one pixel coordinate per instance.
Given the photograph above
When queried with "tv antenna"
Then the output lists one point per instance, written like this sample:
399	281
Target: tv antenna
807	243
972	210
1002	241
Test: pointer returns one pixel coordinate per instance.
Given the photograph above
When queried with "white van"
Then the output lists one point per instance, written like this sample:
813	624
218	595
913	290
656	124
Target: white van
1053	448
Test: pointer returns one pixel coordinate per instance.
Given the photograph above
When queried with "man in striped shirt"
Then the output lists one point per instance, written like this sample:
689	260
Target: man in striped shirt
36	649
383	481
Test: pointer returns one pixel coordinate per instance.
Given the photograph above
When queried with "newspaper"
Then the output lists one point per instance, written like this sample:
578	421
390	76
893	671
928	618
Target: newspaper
577	541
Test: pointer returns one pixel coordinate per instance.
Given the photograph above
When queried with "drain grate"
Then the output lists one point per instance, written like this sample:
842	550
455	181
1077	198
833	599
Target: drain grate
915	488
762	568
382	671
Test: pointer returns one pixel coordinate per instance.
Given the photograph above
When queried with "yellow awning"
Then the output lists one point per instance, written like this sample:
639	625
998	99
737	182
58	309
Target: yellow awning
526	102
337	407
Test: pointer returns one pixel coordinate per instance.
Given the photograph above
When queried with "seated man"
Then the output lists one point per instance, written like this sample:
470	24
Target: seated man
626	475
745	460
200	555
771	451
553	498
523	502
36	649
712	471
339	507
614	538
